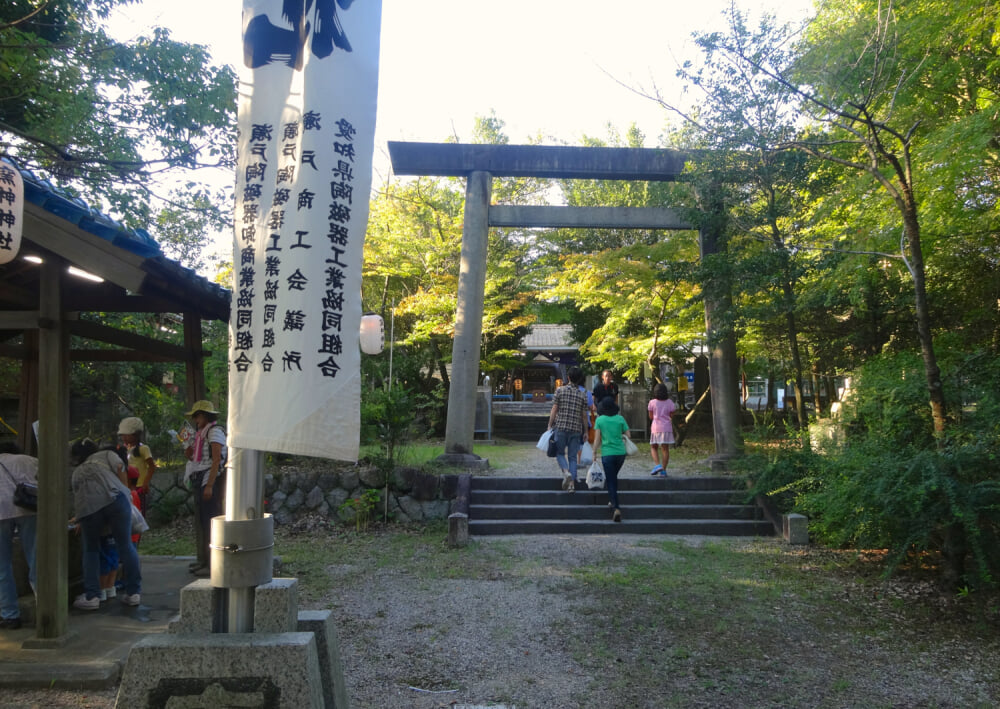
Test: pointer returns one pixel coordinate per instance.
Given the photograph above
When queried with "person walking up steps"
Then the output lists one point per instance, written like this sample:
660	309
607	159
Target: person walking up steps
609	429
569	418
661	431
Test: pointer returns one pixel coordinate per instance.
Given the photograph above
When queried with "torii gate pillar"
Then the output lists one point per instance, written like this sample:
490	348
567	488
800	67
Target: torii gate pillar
459	431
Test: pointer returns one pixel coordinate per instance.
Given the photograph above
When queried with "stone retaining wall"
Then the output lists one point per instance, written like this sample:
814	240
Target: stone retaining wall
292	493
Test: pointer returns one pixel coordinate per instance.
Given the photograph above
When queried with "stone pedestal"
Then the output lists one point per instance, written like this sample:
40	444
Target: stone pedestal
795	528
458	529
292	659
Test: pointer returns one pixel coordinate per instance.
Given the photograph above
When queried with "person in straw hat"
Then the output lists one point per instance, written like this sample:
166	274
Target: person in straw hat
207	454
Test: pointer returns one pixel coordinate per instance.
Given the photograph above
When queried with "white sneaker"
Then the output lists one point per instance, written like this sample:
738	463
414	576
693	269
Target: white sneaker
129	599
87	604
567	479
104	595
112	592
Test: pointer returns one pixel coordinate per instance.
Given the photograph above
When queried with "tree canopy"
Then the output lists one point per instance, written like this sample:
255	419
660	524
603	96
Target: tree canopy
105	117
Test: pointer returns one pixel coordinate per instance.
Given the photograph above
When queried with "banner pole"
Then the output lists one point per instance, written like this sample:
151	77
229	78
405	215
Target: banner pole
244	501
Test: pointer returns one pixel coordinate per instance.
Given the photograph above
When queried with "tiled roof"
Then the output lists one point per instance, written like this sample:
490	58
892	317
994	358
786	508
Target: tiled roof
76	211
549	338
137	241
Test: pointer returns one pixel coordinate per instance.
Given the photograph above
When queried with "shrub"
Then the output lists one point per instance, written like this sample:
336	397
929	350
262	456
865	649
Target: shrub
892	485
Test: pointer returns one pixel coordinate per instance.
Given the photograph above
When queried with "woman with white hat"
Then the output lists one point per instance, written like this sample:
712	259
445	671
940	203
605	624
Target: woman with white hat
139	456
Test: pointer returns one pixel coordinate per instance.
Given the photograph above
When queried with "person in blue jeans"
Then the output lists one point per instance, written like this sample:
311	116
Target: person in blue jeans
101	499
14	468
609	428
569	419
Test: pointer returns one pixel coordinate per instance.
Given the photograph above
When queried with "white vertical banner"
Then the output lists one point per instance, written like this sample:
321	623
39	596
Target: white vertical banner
307	97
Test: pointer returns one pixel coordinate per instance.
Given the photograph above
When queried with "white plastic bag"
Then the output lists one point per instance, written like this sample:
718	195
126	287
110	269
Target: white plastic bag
543	442
595	475
630	447
139	523
586	454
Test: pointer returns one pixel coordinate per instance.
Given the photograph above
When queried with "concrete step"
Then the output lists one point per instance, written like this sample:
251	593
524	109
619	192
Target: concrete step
554	482
599	511
707	505
583	497
628	525
526	426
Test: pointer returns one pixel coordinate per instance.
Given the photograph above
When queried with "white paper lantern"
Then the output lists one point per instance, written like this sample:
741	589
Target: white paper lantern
372	334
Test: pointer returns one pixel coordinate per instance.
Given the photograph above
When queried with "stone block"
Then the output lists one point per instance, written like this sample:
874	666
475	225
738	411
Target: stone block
329	480
223	669
349	479
320	623
315	498
435	509
198	608
424	486
275	606
411	507
458	530
449	486
795	528
371	476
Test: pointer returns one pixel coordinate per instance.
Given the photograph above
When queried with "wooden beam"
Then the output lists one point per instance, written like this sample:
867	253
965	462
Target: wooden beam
12	295
18	319
86	251
105	303
128	340
17	351
118	356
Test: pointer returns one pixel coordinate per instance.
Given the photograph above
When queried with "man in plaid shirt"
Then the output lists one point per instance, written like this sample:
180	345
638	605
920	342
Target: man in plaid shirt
569	418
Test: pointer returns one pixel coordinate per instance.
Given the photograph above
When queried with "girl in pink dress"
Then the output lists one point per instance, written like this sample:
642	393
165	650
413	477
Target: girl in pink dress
661	432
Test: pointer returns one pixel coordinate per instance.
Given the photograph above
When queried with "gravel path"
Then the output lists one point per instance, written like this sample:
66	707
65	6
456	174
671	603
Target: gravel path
498	640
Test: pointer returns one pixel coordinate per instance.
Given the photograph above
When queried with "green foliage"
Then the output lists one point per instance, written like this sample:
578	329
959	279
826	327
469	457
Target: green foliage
390	416
101	116
890	485
361	506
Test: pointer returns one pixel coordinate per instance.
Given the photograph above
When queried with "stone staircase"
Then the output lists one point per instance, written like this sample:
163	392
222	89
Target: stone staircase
520	421
675	505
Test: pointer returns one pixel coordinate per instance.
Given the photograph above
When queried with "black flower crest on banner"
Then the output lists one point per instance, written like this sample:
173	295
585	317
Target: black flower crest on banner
267	43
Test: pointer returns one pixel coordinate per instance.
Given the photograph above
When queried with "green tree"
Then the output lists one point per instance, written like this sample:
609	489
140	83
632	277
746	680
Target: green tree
104	117
863	78
632	288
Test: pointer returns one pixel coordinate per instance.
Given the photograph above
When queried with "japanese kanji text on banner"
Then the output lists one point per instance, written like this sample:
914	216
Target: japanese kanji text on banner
306	136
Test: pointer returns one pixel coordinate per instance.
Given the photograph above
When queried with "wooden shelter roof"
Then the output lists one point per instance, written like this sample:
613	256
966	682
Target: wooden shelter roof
136	276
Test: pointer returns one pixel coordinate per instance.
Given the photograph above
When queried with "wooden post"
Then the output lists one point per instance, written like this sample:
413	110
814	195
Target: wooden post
194	363
53	454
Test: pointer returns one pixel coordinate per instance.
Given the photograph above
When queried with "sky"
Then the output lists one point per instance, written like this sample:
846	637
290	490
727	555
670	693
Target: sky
559	68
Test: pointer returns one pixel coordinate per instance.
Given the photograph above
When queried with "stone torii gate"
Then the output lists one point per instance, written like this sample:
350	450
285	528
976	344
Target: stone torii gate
479	164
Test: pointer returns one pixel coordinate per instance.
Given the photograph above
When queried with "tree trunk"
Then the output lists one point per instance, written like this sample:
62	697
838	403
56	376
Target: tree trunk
911	230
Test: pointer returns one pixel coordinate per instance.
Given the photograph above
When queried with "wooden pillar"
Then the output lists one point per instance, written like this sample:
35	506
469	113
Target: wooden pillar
53	455
195	362
27	411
